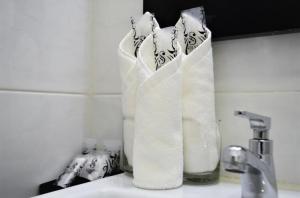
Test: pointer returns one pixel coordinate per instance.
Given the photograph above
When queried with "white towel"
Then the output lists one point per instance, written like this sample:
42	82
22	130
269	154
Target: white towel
158	149
200	134
127	61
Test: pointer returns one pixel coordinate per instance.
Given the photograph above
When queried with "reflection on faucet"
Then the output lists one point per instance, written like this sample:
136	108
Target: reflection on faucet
256	163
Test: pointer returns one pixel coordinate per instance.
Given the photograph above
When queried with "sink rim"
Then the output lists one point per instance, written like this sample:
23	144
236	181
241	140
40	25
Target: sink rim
122	184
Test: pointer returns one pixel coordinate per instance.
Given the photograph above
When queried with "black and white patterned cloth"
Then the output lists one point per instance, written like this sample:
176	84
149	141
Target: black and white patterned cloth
91	166
71	171
141	29
191	32
164	45
100	165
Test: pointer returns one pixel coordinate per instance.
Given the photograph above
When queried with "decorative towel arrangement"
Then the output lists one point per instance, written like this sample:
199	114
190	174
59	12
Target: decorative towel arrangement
168	102
128	49
158	149
201	137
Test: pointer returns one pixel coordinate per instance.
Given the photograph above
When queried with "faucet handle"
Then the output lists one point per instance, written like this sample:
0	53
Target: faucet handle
260	124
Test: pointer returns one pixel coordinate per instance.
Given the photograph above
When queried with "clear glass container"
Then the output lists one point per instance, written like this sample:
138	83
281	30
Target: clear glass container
204	177
211	176
201	177
124	165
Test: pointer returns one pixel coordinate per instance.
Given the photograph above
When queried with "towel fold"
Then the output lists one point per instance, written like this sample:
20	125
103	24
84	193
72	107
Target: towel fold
127	60
158	149
200	133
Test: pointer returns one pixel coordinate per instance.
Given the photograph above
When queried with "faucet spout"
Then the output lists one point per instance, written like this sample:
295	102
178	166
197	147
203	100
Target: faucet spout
256	163
234	159
258	175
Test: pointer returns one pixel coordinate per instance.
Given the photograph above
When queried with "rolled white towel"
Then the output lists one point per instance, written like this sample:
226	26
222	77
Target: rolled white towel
200	132
158	149
128	48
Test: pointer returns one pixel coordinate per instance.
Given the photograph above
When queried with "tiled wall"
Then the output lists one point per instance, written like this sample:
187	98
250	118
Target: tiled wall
256	74
111	23
43	78
261	75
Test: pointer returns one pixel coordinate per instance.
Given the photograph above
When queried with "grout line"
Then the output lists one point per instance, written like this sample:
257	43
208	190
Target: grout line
42	92
92	93
222	92
259	92
107	94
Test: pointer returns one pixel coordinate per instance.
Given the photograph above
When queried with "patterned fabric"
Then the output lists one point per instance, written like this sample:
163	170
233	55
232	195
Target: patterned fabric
142	29
192	37
100	165
191	29
164	49
91	166
71	171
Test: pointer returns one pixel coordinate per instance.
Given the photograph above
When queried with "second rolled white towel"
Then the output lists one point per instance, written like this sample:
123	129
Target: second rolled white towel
158	147
200	132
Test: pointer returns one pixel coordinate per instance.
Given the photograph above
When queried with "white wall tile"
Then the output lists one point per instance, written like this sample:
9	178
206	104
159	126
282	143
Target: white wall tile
39	133
43	45
258	64
284	110
111	23
107	117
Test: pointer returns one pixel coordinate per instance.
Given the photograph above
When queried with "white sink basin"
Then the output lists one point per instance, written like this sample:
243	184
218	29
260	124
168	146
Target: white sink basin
120	186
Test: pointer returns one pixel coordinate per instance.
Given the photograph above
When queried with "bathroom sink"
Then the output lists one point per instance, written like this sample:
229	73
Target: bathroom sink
120	186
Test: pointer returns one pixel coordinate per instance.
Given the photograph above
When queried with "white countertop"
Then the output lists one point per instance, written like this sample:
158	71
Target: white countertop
120	186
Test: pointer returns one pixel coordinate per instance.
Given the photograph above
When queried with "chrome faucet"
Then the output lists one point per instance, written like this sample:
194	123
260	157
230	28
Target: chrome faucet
256	163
